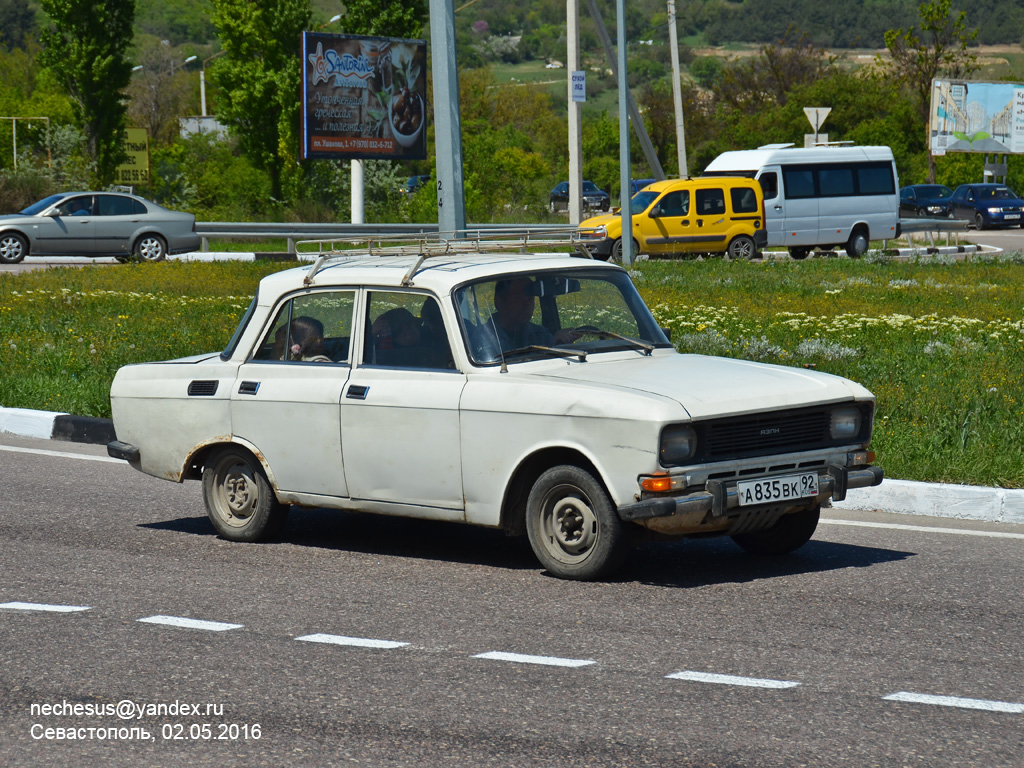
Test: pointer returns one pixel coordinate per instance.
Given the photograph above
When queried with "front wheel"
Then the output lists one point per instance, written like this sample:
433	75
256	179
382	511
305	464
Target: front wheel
239	501
799	252
13	248
857	245
150	248
616	253
742	247
789	533
573	527
979	222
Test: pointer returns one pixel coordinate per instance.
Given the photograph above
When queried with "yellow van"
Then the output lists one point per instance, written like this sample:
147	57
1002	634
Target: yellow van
685	216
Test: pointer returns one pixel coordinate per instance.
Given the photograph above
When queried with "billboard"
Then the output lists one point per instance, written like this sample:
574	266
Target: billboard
969	116
363	97
135	169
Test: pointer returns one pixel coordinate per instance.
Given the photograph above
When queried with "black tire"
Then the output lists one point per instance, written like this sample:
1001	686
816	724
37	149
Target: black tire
789	533
239	501
573	527
979	222
858	243
150	248
742	247
13	248
552	206
799	252
616	252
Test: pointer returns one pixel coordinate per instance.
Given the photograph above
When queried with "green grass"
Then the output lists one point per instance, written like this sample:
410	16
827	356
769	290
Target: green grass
940	344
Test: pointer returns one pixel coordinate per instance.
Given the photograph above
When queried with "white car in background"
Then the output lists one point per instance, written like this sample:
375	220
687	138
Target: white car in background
530	393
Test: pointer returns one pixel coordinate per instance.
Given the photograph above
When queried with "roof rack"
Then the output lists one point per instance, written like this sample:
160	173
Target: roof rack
428	245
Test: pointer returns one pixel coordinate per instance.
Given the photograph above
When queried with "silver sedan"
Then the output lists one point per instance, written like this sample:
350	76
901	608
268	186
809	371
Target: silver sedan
96	224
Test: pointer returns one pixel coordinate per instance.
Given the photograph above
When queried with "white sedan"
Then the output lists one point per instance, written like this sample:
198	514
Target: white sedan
530	393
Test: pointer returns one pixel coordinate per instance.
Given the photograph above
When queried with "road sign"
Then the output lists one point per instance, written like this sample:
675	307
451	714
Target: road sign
817	116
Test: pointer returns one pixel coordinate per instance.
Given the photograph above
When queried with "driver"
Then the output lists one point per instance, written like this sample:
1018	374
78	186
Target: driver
514	304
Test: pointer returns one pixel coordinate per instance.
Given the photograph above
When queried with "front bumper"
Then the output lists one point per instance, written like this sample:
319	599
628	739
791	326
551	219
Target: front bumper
719	497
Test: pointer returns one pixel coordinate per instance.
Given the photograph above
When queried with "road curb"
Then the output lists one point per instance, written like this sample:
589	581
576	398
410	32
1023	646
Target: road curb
903	497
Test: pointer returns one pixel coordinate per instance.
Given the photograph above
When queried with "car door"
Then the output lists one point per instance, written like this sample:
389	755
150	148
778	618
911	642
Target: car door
286	399
774	204
711	219
69	229
800	209
400	410
666	226
118	218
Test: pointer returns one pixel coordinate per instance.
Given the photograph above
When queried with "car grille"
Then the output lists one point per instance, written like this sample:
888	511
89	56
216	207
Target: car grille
768	434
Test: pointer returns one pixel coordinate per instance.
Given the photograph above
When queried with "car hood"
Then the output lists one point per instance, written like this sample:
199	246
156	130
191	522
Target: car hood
609	219
715	386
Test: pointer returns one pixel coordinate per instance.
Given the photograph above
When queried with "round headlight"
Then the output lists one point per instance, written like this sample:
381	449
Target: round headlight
678	444
845	423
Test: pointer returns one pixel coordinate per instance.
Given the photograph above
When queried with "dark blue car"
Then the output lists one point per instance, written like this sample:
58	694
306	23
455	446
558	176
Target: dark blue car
923	200
986	205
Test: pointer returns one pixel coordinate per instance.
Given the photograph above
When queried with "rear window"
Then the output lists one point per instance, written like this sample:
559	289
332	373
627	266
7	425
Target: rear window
744	200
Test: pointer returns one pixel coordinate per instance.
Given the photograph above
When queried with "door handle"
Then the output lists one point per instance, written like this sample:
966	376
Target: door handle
778	207
357	392
248	388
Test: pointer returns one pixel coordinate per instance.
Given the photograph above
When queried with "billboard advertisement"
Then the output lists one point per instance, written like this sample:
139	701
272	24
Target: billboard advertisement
363	97
969	116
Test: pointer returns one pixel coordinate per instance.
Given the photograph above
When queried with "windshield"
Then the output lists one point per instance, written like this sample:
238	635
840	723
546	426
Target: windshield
524	316
641	201
42	205
999	193
938	191
589	186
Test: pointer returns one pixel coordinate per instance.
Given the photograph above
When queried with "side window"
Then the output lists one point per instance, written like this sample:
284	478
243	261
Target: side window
114	205
313	328
799	182
675	203
876	179
744	200
836	182
709	202
76	206
405	330
769	185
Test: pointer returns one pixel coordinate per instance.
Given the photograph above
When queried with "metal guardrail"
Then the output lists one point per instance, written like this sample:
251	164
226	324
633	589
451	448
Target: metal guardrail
933	225
294	232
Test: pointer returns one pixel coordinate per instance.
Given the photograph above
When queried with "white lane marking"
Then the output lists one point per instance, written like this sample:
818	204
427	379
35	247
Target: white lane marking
62	454
954	701
752	682
178	621
44	607
519	658
359	642
924	529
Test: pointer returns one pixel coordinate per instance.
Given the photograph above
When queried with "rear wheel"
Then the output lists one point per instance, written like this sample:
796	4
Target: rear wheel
239	501
789	533
150	248
573	527
13	248
742	247
799	252
858	243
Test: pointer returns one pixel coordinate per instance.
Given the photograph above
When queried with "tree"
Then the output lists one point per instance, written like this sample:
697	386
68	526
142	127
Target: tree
85	47
915	62
160	92
259	78
388	18
17	23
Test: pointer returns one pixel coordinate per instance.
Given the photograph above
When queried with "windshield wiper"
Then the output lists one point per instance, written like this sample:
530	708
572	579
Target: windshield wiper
602	334
556	351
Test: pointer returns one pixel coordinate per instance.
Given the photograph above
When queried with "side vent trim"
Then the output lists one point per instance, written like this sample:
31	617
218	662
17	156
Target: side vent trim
202	388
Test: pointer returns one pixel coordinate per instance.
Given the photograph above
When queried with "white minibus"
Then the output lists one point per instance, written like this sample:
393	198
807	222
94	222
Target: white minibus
827	197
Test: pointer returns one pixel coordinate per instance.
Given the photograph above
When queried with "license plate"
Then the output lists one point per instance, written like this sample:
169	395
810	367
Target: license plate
1013	216
774	489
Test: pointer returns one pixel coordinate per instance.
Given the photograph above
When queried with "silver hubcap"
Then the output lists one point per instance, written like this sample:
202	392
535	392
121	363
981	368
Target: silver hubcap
10	248
150	249
238	493
570	526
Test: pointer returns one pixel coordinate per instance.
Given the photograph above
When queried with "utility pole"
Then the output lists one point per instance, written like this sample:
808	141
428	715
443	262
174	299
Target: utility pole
625	165
677	96
451	199
572	64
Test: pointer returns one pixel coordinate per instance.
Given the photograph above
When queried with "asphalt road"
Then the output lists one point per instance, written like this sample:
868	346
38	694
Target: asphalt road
361	640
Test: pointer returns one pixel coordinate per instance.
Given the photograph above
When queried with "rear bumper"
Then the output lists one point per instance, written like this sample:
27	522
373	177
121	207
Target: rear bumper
718	497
